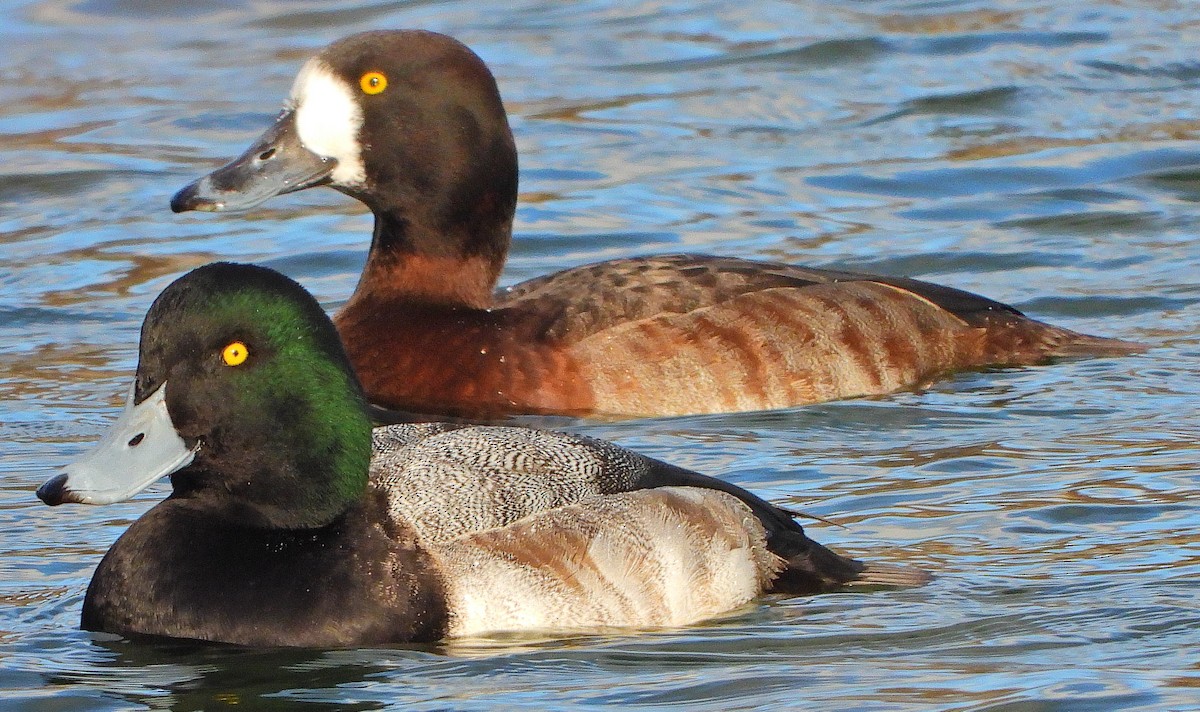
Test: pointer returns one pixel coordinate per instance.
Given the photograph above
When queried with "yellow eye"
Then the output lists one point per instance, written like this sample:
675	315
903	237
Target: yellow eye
235	354
373	82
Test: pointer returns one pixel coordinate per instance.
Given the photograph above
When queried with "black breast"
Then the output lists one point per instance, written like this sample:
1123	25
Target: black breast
179	572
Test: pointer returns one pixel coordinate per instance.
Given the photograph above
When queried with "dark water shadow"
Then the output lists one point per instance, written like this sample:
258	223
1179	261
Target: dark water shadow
817	54
184	675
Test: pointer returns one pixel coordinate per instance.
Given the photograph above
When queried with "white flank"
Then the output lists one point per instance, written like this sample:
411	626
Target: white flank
328	118
651	558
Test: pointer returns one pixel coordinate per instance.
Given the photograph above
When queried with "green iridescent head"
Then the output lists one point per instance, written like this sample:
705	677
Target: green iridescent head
267	422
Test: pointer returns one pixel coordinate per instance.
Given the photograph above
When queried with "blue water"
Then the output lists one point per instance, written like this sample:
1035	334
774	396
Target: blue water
1042	153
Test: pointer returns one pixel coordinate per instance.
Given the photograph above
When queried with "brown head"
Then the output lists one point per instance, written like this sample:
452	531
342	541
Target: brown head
411	124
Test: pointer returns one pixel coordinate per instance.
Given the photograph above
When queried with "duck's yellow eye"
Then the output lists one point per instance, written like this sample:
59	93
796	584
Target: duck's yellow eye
373	82
235	354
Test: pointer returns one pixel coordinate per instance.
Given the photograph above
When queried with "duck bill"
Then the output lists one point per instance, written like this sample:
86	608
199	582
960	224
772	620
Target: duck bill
140	447
277	163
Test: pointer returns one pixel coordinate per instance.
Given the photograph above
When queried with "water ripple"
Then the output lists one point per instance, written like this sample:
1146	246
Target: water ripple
1045	154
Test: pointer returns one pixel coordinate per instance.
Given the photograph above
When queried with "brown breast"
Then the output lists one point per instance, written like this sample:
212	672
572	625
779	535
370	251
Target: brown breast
463	362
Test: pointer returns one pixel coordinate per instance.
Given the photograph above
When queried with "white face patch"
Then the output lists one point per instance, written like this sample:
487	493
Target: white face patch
328	118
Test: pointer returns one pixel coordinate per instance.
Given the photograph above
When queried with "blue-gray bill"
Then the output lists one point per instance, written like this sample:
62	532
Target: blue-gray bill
276	163
139	448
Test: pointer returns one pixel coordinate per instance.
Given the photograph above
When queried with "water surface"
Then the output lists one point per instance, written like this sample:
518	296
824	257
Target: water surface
1042	153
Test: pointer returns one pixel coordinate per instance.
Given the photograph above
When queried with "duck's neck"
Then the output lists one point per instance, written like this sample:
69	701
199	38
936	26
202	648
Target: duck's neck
412	262
447	253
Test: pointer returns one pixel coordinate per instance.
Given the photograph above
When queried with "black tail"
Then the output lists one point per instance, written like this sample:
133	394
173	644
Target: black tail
813	568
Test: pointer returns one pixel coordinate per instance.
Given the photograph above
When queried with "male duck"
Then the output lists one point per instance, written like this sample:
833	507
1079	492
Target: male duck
411	124
290	524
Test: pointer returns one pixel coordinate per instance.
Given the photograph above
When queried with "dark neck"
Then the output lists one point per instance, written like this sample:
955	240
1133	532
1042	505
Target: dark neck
412	262
284	507
442	233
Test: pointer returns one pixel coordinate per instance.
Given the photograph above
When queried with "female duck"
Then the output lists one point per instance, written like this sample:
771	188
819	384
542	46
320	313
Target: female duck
411	124
290	524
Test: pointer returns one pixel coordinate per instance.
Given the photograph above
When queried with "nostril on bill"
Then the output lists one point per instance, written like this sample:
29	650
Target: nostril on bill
137	439
267	155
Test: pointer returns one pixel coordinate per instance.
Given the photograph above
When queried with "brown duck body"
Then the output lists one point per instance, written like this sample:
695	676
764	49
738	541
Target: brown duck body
432	155
681	334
